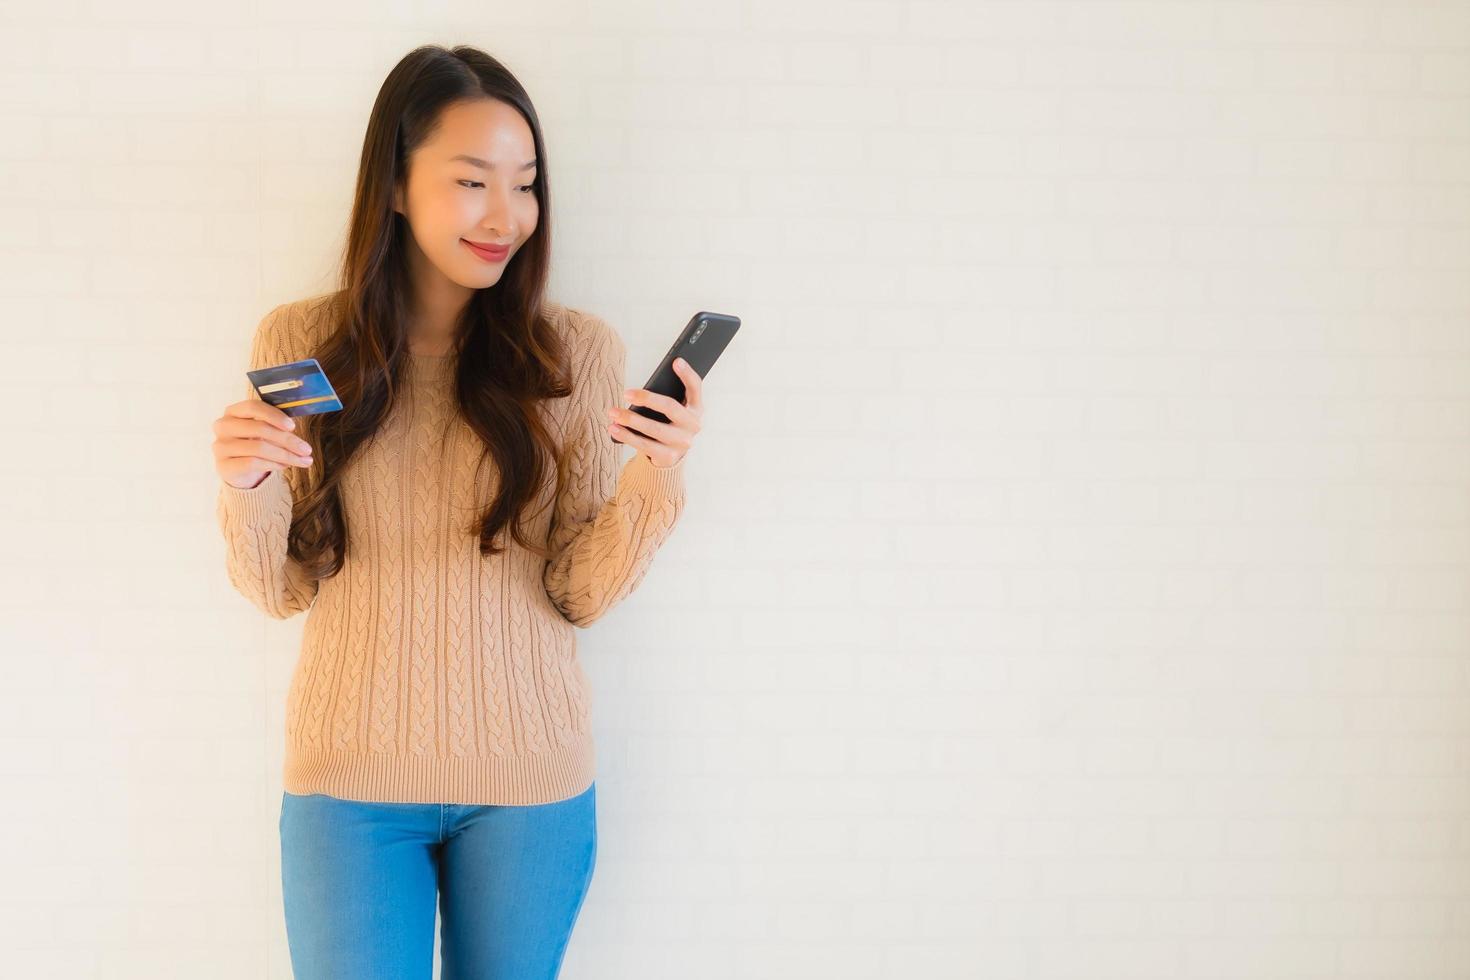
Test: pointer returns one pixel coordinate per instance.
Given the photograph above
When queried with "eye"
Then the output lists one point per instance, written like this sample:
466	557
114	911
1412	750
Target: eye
524	188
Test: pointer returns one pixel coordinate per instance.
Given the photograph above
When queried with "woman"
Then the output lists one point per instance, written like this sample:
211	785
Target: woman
447	529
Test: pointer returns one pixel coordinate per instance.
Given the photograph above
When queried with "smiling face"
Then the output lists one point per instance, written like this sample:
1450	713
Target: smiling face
469	183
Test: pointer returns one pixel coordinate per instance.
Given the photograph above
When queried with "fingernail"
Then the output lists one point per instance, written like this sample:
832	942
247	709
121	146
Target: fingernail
290	422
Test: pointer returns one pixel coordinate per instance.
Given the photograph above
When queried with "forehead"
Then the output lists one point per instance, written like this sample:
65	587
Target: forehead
485	130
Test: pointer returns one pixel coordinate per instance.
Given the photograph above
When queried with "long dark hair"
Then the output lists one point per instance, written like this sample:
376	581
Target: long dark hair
509	355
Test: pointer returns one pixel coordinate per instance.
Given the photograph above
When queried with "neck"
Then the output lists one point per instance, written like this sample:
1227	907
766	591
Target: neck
437	305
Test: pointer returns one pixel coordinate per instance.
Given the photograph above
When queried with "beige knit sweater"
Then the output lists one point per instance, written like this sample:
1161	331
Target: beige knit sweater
429	673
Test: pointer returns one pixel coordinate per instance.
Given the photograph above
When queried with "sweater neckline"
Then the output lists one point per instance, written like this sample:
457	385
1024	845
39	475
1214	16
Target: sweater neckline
429	368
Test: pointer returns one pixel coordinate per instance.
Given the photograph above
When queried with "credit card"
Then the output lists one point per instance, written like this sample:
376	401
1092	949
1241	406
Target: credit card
298	388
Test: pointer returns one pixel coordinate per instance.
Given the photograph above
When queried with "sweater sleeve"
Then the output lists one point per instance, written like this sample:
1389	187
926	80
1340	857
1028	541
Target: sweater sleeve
255	522
608	523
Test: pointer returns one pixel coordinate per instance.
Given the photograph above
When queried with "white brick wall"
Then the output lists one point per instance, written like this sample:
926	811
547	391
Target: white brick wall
1076	577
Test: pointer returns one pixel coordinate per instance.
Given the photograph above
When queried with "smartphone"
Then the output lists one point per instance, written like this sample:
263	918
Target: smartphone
701	342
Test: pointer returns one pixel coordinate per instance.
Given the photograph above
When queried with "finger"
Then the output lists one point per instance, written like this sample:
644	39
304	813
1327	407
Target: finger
693	384
627	436
246	428
254	408
261	465
663	403
662	431
259	449
650	446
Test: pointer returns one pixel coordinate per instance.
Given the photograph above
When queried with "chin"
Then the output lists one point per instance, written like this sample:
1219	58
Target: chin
476	278
487	279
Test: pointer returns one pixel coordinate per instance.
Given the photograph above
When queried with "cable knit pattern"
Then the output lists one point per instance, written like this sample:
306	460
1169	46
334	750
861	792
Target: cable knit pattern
429	673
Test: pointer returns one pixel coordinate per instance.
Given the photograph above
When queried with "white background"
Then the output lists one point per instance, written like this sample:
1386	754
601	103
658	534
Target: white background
1075	580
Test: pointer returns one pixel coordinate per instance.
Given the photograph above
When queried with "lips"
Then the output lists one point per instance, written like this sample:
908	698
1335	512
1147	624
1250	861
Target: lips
489	254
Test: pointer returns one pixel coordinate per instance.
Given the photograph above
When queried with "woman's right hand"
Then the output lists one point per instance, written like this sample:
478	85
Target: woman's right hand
253	439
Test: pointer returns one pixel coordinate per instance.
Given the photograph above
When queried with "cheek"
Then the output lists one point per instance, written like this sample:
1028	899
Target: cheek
528	216
438	213
460	209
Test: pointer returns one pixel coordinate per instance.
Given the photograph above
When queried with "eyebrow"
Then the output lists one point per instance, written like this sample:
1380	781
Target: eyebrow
482	164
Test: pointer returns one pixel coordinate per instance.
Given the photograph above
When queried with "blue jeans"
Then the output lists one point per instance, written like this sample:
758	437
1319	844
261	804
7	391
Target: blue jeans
360	880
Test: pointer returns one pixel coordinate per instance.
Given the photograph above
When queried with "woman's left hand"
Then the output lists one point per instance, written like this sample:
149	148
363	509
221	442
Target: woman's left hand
664	443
